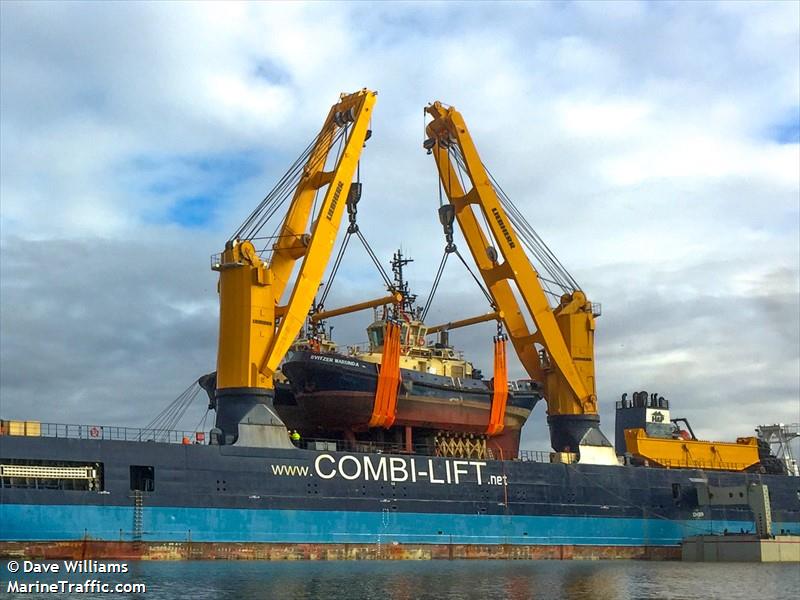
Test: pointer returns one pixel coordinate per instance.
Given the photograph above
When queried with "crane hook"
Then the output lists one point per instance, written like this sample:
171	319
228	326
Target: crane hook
447	215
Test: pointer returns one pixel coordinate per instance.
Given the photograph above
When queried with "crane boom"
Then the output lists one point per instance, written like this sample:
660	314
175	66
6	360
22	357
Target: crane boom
256	331
560	351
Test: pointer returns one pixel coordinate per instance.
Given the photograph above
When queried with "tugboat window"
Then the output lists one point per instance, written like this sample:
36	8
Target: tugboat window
143	478
376	336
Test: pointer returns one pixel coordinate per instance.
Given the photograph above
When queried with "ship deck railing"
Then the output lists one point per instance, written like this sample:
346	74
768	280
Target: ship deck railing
368	447
169	436
117	433
717	465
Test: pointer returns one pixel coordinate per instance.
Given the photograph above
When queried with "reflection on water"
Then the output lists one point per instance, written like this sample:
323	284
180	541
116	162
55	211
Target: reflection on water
479	580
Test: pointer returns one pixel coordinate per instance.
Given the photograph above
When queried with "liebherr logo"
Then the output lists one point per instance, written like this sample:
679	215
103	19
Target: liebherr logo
290	470
503	228
336	194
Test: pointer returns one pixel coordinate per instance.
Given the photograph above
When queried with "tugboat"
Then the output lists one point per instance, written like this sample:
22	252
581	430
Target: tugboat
443	402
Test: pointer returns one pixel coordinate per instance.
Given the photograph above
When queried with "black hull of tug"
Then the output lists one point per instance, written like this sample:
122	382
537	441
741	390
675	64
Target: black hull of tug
336	392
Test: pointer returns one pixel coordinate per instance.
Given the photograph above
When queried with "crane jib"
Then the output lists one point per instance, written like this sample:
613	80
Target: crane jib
560	351
256	330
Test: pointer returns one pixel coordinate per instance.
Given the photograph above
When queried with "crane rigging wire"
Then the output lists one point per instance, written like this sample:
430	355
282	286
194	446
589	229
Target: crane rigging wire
286	186
557	279
438	278
546	283
558	275
264	205
530	237
280	194
475	277
201	425
375	260
341	136
435	286
168	419
334	270
447	252
353	229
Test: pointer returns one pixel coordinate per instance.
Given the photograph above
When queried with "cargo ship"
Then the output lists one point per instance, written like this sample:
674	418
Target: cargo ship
403	451
105	492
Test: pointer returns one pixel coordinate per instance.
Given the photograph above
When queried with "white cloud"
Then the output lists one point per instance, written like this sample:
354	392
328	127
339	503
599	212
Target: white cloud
638	138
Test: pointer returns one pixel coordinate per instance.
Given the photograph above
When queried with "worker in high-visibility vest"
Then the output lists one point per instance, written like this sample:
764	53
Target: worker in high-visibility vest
295	438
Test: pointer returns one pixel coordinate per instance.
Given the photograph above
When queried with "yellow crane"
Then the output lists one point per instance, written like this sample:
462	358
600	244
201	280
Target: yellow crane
264	301
266	296
559	352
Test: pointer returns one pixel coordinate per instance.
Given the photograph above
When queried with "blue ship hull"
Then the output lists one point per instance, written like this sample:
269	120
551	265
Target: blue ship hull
205	494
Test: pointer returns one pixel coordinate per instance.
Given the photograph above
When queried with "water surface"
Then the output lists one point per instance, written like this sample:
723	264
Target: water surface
440	580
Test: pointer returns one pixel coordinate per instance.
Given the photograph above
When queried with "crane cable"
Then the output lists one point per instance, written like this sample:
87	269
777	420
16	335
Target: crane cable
559	276
334	270
264	211
167	419
446	217
435	286
287	184
352	210
452	249
201	425
375	260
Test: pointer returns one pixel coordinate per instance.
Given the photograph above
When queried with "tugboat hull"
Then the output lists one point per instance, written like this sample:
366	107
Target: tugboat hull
337	392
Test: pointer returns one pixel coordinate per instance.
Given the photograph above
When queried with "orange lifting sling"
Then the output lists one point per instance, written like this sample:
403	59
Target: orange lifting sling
497	416
383	411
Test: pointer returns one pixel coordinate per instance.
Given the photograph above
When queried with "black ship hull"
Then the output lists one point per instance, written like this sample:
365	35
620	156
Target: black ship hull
334	392
205	498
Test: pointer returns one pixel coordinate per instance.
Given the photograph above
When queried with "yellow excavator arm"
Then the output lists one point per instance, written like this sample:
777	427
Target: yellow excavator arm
560	351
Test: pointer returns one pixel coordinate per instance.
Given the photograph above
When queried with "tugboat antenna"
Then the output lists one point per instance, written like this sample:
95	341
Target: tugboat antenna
400	284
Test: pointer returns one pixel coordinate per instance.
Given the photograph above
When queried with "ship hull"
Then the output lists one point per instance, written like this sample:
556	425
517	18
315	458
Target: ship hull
217	501
188	550
338	392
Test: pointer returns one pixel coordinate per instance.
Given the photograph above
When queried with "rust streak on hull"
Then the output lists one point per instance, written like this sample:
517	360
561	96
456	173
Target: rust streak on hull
91	549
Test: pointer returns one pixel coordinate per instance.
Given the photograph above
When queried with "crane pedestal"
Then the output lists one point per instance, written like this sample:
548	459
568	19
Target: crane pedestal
581	434
247	417
567	432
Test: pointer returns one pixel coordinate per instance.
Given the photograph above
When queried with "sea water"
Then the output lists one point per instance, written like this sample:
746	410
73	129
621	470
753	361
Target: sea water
410	580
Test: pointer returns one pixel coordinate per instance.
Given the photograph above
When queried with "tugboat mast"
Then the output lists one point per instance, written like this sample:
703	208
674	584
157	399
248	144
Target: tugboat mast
400	284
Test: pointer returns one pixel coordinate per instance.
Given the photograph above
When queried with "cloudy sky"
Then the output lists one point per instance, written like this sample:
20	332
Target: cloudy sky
654	146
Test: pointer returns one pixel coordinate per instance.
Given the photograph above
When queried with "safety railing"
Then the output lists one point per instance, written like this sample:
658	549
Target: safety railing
116	433
140	434
358	348
684	463
524	385
331	445
366	447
